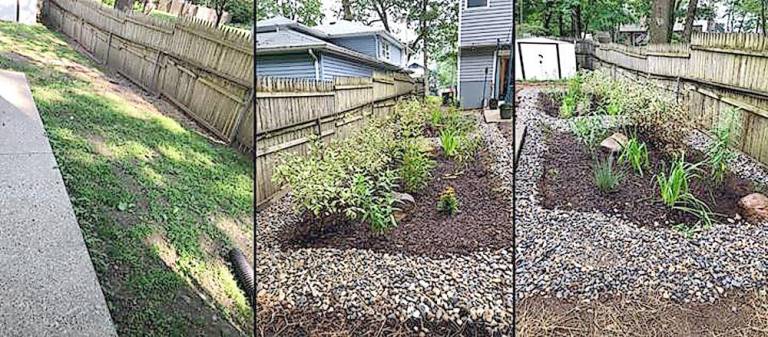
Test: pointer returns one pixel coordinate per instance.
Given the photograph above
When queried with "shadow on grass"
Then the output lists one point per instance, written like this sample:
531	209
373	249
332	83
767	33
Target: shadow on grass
150	198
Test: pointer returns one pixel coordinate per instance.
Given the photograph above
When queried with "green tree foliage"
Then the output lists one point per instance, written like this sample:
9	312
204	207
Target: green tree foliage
308	12
570	17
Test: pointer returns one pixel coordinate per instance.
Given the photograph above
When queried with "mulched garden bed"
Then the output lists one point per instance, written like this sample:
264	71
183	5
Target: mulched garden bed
567	183
548	105
483	221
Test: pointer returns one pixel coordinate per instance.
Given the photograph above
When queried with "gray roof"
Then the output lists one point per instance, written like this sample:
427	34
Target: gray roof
284	41
287	39
342	28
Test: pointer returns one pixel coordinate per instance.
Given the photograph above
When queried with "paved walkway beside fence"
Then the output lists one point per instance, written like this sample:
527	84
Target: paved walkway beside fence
48	286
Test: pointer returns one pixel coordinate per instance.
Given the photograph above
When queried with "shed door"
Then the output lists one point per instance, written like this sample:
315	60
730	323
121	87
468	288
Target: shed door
540	61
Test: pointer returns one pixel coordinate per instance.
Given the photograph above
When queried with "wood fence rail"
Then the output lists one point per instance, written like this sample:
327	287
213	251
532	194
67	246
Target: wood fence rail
204	70
713	73
291	111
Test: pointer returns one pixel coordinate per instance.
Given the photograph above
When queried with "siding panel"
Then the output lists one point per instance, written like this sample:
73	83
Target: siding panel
473	63
334	66
288	66
483	25
360	44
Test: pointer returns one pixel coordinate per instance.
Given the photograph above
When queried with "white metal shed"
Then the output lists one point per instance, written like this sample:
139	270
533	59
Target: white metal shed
23	11
539	58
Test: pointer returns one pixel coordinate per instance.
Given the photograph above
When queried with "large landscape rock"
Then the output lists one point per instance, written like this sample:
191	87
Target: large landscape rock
614	143
755	207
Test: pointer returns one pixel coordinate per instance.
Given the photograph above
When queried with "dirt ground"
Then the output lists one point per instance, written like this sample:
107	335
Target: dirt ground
741	314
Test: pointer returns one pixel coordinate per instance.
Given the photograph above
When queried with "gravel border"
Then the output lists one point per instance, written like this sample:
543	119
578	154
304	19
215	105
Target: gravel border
583	255
363	284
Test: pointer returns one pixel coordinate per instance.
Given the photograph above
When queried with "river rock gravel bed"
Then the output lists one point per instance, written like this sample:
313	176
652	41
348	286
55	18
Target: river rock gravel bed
584	255
361	284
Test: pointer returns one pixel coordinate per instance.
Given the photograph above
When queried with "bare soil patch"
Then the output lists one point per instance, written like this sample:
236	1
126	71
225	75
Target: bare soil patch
567	183
739	314
483	221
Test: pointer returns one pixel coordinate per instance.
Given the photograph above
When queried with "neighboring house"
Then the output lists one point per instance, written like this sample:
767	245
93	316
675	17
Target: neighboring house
285	48
635	34
485	38
22	11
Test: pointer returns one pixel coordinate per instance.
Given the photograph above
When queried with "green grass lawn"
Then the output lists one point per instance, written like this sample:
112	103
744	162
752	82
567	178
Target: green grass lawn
158	204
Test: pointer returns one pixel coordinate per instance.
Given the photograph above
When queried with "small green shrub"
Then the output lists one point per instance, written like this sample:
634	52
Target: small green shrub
436	118
448	203
416	167
588	130
636	154
449	140
372	200
572	97
606	177
719	154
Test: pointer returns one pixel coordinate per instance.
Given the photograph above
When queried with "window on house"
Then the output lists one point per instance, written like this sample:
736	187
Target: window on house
384	50
477	3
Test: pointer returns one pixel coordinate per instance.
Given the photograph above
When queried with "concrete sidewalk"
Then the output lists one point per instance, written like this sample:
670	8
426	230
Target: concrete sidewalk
48	286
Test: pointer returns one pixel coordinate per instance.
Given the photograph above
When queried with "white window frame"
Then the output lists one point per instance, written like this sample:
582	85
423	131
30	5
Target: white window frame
466	5
384	51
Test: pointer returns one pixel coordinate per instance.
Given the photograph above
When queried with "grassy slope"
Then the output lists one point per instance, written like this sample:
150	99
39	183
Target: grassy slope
158	205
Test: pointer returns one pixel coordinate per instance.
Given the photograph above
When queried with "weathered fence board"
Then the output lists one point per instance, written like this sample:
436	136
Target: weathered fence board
712	74
291	111
204	70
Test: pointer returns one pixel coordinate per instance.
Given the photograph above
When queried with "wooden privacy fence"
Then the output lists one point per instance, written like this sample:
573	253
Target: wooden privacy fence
712	74
204	70
290	111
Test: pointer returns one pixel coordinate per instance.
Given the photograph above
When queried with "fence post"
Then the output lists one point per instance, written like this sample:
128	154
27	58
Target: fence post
109	45
241	115
156	73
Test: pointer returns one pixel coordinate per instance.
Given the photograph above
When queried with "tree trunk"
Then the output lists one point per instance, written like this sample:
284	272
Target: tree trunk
124	5
658	22
576	11
762	16
690	15
346	9
560	26
426	44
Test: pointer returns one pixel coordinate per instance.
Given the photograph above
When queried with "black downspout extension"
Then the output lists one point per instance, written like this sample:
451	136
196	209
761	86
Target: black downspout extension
243	271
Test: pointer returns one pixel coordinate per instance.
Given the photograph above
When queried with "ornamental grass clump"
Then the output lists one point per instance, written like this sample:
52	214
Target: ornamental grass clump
635	153
674	189
719	153
606	177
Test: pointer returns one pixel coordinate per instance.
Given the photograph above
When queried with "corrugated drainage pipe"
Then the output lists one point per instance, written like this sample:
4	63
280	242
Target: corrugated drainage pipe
243	271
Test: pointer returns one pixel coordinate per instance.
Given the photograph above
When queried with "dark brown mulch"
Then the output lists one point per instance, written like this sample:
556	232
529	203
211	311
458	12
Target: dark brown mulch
567	183
546	103
483	221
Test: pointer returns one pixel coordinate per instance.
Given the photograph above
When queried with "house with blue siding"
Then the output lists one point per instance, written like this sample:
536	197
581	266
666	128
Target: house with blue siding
485	39
286	48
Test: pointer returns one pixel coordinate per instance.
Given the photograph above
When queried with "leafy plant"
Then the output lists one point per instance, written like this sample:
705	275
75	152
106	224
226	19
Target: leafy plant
606	178
636	154
572	97
719	154
588	130
449	140
674	187
675	191
436	118
372	201
448	202
416	167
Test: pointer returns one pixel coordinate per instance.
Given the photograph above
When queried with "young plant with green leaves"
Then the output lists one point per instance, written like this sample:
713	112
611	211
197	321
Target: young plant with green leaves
447	202
635	153
588	130
449	140
416	166
719	153
572	97
674	189
606	177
